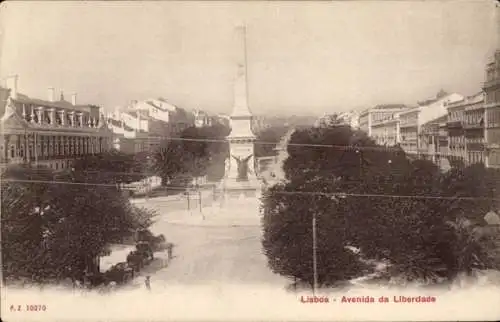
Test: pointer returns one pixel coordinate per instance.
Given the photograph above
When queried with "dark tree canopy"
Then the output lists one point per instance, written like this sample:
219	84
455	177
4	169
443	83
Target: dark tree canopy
267	139
198	152
112	167
392	209
56	229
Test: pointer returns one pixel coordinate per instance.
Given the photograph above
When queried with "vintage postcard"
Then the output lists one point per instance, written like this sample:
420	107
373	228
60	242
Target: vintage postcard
250	160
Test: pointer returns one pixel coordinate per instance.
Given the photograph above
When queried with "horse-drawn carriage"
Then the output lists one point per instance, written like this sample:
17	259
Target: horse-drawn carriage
119	273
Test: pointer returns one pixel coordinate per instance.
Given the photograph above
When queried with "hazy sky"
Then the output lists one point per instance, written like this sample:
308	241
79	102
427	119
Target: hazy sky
303	57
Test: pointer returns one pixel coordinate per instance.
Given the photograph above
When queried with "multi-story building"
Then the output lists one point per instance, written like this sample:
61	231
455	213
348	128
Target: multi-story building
125	138
49	132
203	118
433	141
491	88
456	133
377	115
411	120
409	129
442	158
141	126
386	131
473	125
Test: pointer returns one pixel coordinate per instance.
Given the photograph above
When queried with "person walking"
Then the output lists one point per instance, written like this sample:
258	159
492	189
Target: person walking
147	282
169	251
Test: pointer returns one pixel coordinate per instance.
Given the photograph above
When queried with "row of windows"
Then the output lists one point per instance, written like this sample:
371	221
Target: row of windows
475	139
457	139
475	157
379	117
49	146
493	118
475	117
410	119
455	116
57	117
492	96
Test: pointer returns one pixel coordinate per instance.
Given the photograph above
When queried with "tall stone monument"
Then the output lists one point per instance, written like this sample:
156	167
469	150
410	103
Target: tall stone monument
240	166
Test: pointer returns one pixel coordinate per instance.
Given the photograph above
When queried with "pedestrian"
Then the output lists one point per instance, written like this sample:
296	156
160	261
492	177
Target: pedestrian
148	283
169	250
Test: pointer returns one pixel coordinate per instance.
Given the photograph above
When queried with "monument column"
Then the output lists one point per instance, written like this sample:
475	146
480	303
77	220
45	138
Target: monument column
240	171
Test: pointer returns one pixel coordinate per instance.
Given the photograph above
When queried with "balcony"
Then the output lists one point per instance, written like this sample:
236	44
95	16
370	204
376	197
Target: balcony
475	146
472	126
490	146
454	124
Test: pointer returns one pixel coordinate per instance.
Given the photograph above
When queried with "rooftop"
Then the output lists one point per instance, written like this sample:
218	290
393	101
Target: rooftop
24	99
389	106
469	100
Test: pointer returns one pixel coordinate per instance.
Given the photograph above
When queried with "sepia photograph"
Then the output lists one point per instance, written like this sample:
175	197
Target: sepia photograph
250	160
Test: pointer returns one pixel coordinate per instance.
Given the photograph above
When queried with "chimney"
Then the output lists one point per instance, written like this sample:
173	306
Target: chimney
62	96
11	83
73	99
51	96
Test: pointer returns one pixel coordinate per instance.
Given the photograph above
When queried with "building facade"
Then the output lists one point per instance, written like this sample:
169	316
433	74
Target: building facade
386	131
442	158
433	141
364	121
491	88
49	132
141	126
375	117
456	134
409	129
411	120
473	124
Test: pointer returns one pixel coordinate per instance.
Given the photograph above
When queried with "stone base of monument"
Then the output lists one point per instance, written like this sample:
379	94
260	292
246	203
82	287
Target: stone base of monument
239	189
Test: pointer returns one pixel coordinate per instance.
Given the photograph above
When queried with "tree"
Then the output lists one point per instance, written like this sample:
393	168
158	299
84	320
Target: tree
111	167
367	196
198	152
287	241
170	161
22	224
53	231
318	160
267	140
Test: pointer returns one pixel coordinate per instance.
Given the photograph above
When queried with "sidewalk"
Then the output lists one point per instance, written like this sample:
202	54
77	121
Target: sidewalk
215	215
206	194
158	199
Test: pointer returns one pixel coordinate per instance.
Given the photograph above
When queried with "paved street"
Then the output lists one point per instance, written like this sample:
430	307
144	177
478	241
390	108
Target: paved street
214	250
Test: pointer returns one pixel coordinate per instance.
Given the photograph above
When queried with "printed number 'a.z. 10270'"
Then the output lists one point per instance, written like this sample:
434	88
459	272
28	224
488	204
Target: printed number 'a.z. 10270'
28	307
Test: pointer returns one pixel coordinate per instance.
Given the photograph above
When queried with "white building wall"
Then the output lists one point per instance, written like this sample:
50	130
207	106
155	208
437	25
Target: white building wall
436	109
